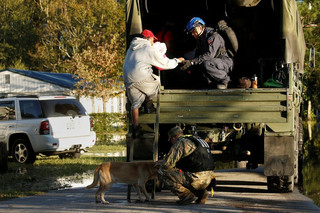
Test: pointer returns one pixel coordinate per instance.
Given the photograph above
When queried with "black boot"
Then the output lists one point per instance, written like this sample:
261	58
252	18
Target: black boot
136	131
202	196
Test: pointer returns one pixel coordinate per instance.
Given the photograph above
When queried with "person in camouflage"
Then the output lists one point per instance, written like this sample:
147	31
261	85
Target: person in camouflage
187	168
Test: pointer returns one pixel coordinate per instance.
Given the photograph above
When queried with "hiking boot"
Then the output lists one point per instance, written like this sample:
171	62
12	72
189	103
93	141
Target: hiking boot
203	197
222	86
136	131
189	198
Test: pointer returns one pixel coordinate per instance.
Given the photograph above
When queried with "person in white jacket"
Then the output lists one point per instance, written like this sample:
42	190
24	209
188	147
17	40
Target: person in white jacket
140	82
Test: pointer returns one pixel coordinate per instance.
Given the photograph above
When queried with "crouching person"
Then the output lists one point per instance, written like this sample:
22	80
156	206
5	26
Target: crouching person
188	167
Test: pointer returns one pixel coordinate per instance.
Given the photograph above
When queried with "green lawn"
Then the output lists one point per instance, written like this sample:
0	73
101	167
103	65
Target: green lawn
106	149
22	180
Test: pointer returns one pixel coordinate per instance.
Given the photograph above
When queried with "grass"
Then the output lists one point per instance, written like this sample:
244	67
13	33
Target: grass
105	149
43	175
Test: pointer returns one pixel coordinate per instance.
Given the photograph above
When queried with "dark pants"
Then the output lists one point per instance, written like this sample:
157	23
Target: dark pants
217	69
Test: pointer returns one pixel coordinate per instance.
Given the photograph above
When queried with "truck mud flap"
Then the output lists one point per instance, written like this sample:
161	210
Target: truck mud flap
279	156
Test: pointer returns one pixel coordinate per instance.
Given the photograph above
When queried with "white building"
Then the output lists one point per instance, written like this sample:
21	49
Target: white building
25	82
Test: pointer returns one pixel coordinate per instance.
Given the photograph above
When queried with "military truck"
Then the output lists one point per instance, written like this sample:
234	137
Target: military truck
260	126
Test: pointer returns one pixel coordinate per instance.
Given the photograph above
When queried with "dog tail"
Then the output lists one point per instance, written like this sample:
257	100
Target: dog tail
95	178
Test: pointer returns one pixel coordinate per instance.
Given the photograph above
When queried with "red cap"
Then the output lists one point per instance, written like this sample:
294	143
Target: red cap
148	34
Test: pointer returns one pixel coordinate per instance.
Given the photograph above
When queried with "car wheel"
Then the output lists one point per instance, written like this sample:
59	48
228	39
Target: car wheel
22	151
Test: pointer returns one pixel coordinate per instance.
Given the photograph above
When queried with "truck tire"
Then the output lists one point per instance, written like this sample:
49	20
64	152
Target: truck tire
22	151
278	184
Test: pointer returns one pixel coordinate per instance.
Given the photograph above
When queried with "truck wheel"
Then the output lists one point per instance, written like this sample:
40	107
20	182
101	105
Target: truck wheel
280	184
22	151
289	184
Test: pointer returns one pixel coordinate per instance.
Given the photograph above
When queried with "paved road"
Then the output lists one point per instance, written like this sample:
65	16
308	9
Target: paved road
238	190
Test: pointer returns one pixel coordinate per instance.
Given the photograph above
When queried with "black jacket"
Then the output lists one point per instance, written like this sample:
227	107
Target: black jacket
199	160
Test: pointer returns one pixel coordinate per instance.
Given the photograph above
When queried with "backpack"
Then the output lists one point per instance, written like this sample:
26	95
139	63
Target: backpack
229	37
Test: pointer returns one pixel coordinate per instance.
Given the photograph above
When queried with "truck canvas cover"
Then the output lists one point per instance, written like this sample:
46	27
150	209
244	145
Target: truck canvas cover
144	14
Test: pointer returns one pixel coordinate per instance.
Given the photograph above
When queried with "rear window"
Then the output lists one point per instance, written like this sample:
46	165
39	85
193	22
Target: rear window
62	107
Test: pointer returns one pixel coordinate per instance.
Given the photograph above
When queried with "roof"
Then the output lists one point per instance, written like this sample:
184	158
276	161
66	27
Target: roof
66	80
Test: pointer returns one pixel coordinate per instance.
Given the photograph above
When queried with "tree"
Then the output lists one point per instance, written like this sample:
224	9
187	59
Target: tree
310	15
85	38
17	31
100	67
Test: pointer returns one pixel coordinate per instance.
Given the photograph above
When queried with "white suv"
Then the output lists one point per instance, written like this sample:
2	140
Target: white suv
49	125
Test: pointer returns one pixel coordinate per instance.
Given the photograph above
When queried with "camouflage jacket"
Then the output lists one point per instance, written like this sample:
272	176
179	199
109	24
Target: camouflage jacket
182	148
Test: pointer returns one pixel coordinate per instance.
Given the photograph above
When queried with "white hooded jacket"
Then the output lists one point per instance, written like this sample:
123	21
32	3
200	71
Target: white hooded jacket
140	58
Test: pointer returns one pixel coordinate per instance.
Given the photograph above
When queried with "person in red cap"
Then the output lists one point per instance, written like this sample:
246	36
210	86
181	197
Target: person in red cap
148	34
140	82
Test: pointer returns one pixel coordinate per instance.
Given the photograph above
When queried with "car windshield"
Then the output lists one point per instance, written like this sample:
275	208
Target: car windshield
62	107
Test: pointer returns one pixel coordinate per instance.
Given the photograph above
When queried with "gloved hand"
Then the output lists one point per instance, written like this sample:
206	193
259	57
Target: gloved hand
186	65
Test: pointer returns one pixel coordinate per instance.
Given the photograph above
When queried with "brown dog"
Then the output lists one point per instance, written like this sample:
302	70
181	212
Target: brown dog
136	173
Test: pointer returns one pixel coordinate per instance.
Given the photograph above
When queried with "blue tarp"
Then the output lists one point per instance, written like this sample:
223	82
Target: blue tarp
66	80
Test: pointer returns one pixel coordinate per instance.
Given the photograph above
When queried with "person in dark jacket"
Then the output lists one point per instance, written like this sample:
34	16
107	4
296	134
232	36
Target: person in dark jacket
187	168
210	54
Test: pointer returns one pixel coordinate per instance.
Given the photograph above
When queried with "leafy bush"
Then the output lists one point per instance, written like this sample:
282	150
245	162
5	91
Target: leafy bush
109	126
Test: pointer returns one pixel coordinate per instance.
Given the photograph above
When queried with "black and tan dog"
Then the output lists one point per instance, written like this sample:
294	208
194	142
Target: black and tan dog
136	173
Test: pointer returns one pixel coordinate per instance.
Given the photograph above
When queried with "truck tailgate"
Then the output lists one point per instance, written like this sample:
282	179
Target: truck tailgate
268	105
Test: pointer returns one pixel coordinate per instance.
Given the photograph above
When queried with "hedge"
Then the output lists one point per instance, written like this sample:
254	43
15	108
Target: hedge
107	125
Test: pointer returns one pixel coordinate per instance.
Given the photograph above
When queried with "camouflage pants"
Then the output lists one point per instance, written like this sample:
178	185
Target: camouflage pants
183	183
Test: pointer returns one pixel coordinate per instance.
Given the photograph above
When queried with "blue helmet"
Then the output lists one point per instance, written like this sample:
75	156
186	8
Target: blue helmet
194	22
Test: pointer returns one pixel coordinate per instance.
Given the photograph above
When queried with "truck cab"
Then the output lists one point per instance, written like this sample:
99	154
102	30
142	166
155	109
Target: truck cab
256	125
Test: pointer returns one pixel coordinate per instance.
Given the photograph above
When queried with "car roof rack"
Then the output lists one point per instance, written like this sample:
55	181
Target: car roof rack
10	95
26	96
